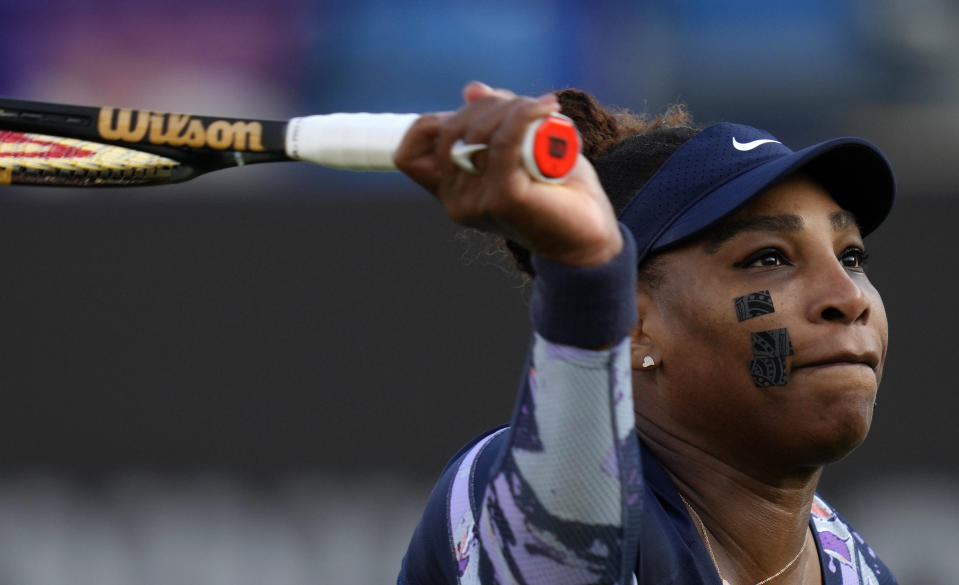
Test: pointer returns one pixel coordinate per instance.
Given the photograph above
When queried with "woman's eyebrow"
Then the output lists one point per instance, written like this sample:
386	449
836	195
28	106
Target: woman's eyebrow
727	230
842	219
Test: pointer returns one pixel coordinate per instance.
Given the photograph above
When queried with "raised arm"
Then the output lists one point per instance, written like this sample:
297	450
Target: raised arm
565	481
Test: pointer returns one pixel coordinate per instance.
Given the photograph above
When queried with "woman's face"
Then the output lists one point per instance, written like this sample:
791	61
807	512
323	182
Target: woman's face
769	335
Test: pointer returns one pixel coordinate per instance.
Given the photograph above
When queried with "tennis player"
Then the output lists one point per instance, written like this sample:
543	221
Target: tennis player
706	340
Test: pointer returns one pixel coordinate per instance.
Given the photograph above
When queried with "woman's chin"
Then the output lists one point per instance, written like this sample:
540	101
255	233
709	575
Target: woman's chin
840	432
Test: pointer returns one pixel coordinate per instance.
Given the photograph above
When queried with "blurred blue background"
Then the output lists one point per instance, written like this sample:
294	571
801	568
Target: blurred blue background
255	376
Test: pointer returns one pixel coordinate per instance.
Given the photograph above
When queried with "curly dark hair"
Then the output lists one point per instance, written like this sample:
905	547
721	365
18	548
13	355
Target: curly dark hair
651	140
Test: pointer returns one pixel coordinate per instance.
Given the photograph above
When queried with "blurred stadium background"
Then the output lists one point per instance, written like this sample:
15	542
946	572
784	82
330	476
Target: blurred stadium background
255	377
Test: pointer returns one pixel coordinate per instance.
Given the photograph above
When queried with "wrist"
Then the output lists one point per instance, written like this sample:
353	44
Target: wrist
588	305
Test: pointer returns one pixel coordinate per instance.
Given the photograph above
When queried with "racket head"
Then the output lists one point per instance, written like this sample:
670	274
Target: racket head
28	158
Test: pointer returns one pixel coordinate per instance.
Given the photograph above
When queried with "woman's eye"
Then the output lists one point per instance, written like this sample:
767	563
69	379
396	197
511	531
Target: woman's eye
853	258
763	258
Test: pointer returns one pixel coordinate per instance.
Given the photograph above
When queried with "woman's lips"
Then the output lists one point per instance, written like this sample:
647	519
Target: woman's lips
839	358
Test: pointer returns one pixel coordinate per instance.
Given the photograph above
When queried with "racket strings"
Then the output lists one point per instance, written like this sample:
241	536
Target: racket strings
40	159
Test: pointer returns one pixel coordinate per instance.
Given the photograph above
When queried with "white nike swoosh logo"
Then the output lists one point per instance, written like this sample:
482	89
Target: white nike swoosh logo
746	146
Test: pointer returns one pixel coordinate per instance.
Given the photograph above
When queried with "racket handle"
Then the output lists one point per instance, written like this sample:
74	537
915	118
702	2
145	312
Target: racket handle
359	142
367	142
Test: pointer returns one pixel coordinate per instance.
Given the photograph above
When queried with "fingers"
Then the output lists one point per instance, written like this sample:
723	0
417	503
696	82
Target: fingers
476	90
423	153
416	156
488	113
490	116
506	140
479	131
473	124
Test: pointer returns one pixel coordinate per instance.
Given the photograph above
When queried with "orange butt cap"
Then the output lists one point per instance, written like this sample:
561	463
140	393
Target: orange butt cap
555	147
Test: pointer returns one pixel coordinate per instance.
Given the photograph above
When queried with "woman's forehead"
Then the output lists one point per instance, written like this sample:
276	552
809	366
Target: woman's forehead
792	201
796	193
785	207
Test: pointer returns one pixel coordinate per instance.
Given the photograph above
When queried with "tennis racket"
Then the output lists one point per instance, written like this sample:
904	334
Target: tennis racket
78	146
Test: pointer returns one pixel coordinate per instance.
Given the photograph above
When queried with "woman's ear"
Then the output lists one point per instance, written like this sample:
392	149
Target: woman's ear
644	354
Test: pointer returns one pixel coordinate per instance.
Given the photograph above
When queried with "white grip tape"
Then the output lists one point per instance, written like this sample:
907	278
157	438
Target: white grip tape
361	142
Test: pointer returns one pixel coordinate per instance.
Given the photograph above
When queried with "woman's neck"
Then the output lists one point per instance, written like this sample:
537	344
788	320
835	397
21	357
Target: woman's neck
755	522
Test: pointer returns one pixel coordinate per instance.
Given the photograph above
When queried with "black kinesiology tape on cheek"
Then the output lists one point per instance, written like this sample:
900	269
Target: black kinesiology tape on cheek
768	371
768	366
772	343
754	304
